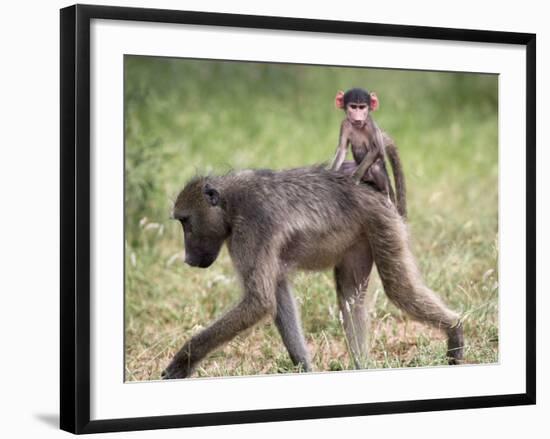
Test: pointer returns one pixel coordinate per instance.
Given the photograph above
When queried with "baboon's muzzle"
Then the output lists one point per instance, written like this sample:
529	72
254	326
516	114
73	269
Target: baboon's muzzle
201	262
202	256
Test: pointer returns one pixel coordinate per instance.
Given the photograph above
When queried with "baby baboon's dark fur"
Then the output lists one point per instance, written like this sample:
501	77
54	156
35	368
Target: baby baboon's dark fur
307	218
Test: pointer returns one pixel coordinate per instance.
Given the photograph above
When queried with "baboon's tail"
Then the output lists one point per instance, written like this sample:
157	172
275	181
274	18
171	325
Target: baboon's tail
399	179
401	278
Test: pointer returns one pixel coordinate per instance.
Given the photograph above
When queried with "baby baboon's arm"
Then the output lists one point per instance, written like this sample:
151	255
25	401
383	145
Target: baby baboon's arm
342	148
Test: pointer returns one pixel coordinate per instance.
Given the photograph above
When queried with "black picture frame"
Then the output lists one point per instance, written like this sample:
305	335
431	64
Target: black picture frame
75	217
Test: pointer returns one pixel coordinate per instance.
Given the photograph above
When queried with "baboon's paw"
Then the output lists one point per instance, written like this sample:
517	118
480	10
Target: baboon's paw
175	372
455	346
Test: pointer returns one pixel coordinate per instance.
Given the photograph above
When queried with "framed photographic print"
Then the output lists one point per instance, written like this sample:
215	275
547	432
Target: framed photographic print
274	218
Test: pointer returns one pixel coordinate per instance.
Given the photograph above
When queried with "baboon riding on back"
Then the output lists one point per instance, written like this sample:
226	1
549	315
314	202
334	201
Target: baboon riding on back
301	219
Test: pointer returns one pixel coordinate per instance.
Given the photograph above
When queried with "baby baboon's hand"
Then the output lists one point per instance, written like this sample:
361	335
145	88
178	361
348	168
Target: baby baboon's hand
356	178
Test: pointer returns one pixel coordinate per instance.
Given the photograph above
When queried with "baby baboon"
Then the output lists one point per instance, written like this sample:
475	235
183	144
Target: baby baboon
307	218
369	146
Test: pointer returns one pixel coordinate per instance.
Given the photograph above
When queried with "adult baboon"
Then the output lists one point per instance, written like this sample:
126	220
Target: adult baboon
307	218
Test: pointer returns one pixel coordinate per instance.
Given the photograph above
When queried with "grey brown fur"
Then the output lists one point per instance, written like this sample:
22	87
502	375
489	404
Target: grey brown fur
310	219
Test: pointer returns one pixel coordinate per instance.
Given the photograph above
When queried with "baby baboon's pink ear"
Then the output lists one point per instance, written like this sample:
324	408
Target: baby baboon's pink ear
374	103
339	100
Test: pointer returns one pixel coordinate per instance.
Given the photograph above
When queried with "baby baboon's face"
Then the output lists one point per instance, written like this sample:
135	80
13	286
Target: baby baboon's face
357	113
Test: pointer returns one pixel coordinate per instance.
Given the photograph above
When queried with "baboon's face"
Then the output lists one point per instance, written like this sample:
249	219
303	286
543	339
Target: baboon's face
357	113
198	210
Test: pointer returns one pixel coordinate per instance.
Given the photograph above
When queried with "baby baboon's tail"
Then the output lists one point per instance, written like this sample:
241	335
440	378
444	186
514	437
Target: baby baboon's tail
399	179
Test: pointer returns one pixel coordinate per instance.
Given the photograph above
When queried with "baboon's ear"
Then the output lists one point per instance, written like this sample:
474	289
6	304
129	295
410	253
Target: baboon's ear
212	195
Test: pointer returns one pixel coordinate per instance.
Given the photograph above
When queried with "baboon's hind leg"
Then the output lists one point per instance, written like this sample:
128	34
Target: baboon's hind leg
352	277
406	289
424	305
288	323
402	280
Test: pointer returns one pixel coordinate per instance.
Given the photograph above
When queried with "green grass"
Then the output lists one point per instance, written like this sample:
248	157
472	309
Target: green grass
184	117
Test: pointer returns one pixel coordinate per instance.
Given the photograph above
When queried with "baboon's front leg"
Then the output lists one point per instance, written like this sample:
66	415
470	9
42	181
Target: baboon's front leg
248	312
287	321
352	276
